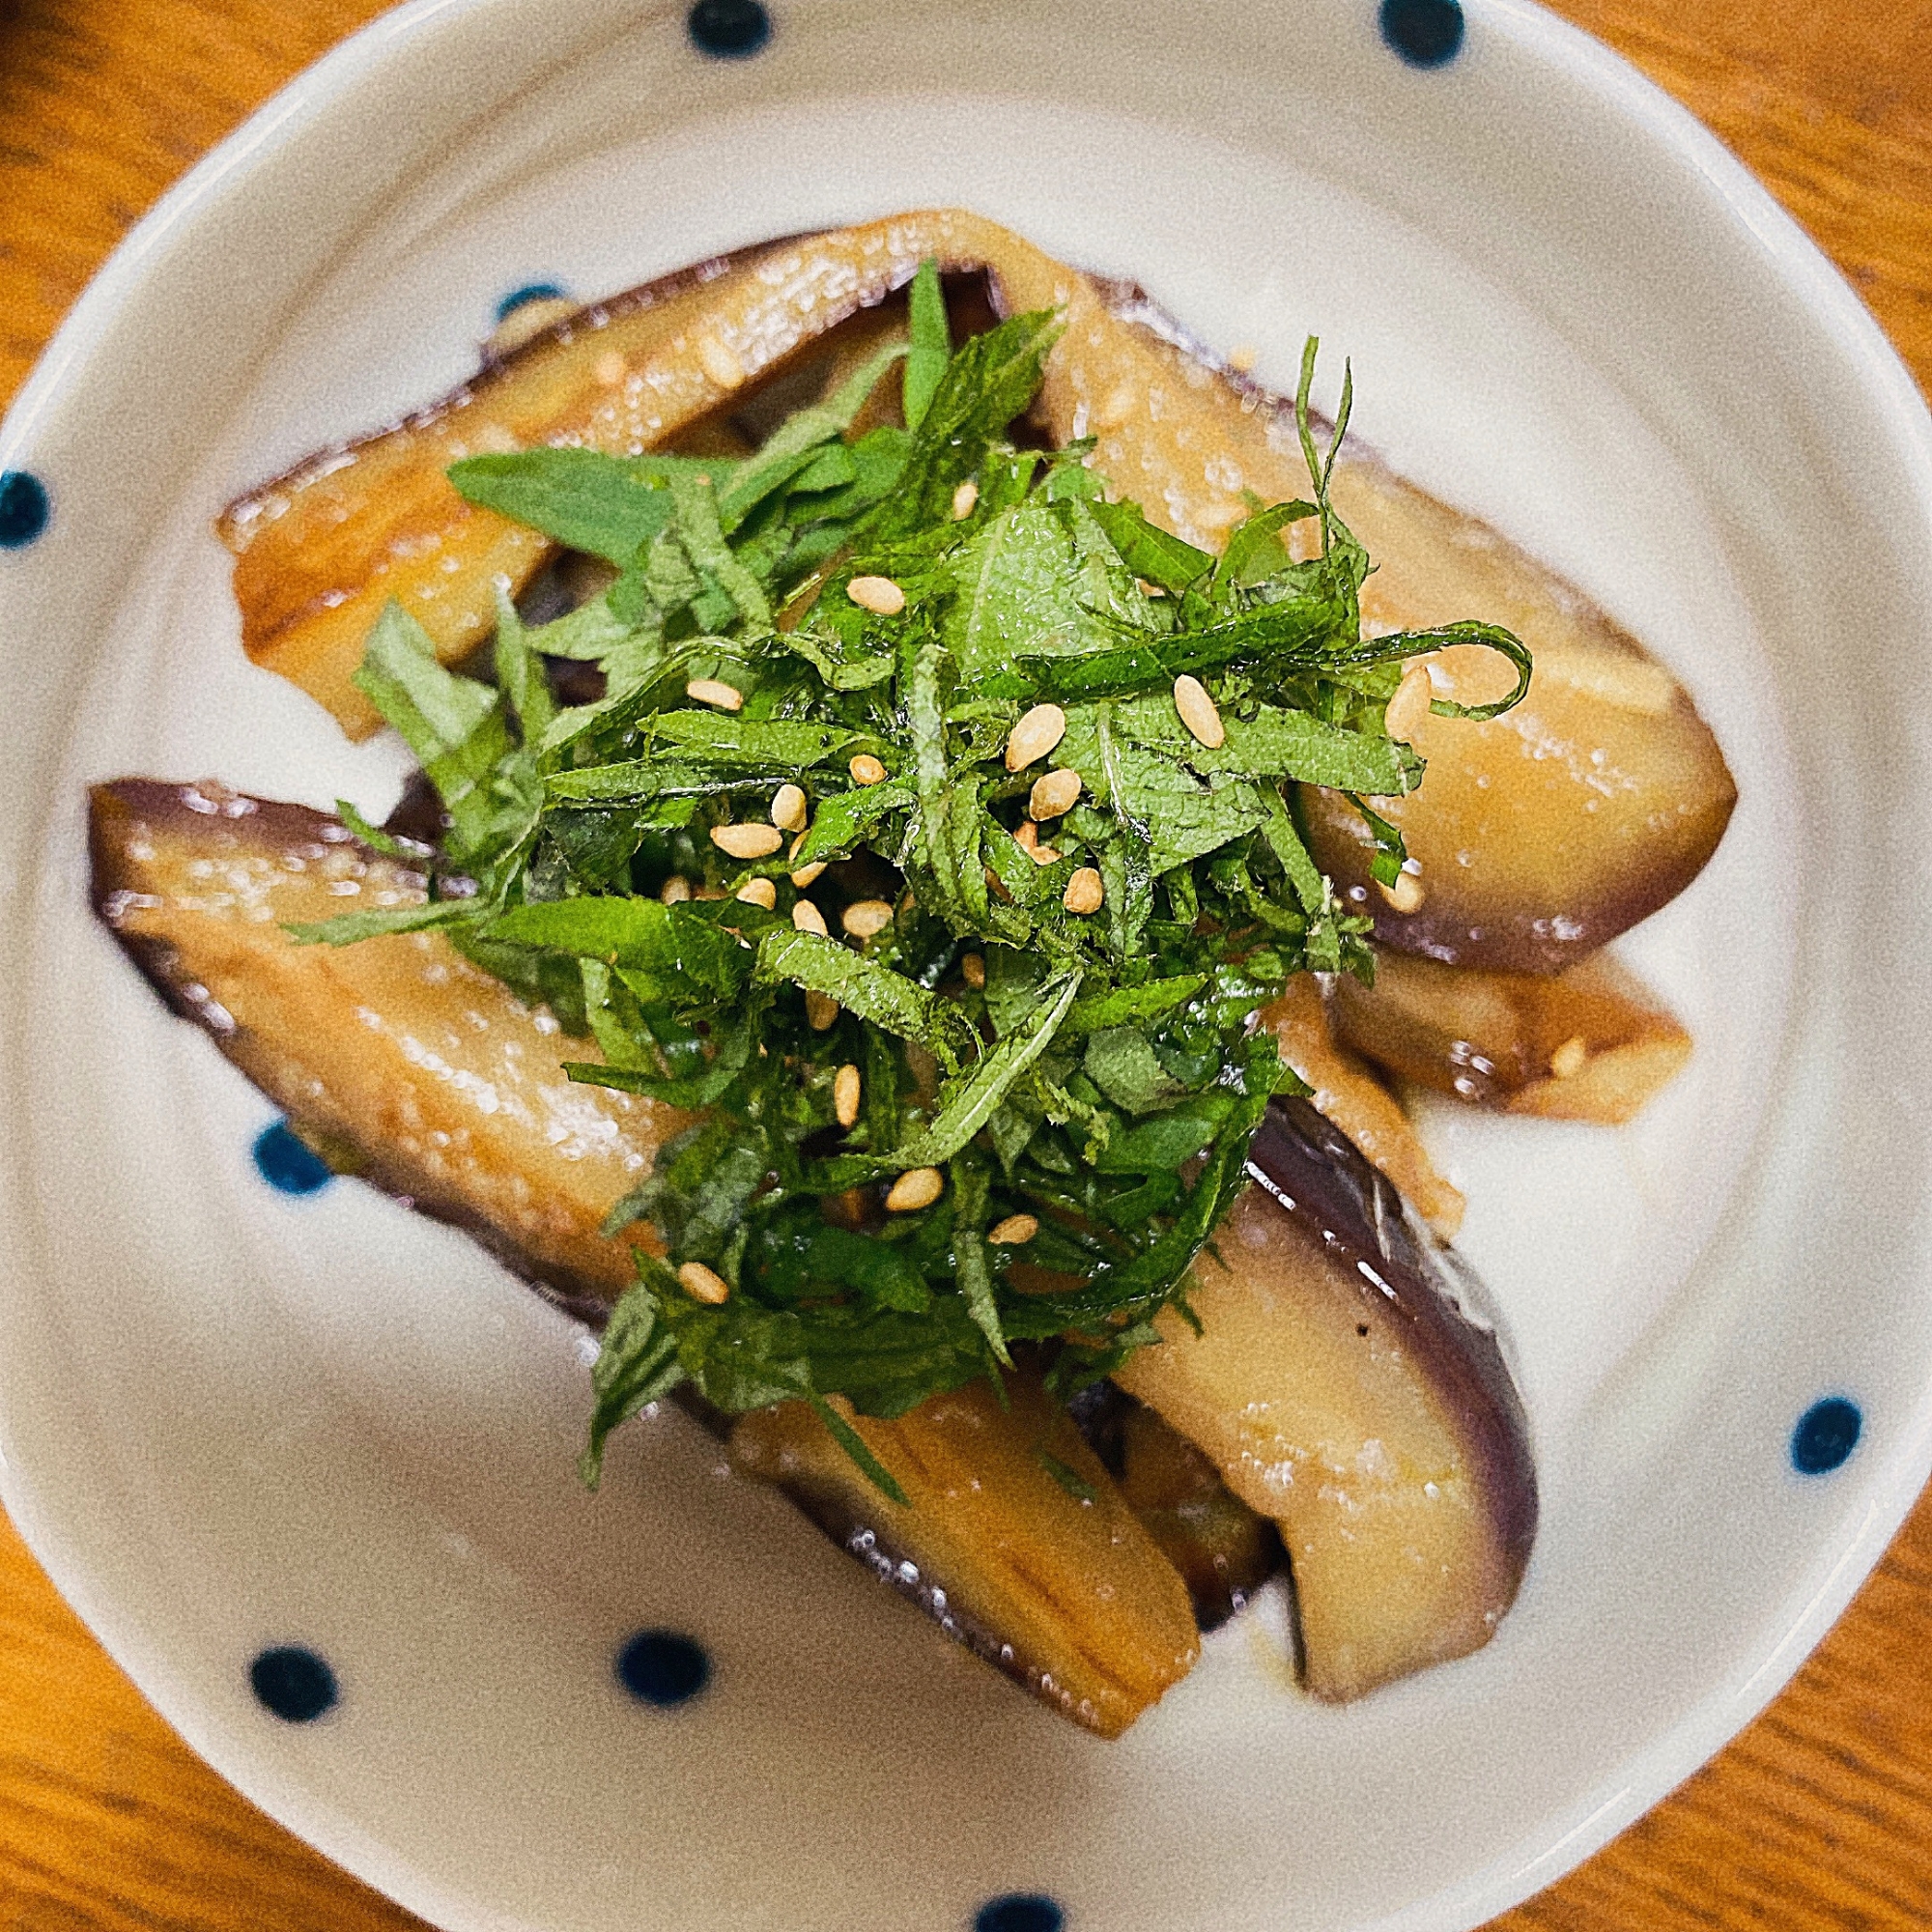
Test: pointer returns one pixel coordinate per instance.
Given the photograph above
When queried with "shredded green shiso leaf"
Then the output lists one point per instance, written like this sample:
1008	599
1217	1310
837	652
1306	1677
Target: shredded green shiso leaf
1100	1073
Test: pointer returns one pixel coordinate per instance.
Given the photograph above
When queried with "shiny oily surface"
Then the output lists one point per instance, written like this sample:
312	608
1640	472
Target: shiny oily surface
187	734
1821	1813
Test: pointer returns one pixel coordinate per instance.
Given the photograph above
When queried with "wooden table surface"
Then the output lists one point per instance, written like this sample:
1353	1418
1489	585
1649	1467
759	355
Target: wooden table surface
1819	1816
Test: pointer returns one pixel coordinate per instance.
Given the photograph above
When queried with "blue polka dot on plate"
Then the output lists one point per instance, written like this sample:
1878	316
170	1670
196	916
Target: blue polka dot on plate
728	29
293	1683
288	1163
1826	1433
662	1667
1019	1912
23	508
1425	33
531	292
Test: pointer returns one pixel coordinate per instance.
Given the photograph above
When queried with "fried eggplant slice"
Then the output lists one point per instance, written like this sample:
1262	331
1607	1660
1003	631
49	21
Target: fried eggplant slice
1590	1044
321	550
1015	1538
1540	836
1222	1549
399	1059
1345	1093
1342	1387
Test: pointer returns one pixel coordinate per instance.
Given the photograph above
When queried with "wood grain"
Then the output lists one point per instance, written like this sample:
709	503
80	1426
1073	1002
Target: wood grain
1818	1819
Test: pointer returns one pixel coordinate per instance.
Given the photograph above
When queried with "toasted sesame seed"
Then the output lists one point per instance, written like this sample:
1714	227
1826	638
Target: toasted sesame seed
866	770
1054	794
675	889
1198	713
1035	736
1015	1232
917	1187
1027	837
846	1095
879	595
713	691
1570	1059
610	369
704	1284
1408	709
759	893
820	1010
1117	407
1084	892
807	918
527	322
747	842
788	809
809	875
1406	895
973	969
866	919
719	363
964	498
710	893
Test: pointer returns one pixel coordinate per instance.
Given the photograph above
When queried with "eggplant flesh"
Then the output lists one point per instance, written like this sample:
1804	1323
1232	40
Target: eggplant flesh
396	1058
1592	1043
1014	1537
1346	1387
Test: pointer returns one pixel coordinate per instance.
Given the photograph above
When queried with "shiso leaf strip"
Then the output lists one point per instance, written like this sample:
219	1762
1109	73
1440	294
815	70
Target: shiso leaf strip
1096	1071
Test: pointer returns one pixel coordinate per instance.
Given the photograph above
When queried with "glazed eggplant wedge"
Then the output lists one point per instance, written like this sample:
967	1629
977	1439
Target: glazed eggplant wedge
1082	1572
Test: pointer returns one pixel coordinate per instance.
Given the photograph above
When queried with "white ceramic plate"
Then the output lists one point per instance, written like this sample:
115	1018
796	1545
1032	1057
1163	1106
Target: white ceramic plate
233	1418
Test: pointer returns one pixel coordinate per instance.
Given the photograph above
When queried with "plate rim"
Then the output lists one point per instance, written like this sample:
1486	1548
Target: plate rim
1896	1482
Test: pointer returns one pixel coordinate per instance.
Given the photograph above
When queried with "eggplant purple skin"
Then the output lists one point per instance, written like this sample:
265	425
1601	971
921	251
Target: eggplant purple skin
1314	1173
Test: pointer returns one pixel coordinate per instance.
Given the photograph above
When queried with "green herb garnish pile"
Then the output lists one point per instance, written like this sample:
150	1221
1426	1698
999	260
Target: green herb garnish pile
1096	1073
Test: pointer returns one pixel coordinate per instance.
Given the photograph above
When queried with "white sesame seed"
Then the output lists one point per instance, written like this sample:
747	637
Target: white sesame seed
1084	892
1241	358
916	1189
866	770
719	363
809	875
1015	1232
759	893
879	595
788	809
1568	1058
1406	895
1036	733
866	919
1408	709
807	918
527	322
704	1284
713	691
1054	795
846	1095
747	842
964	498
1198	713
